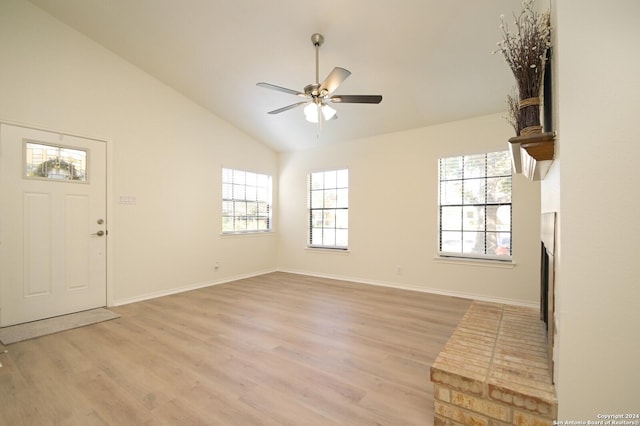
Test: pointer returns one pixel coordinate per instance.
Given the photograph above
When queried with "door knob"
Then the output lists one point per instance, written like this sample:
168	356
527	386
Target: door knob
99	233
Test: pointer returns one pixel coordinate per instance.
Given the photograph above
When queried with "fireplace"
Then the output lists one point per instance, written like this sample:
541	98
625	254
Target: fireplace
547	275
497	366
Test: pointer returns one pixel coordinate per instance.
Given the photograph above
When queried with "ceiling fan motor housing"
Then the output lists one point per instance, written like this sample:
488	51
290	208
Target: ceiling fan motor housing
314	90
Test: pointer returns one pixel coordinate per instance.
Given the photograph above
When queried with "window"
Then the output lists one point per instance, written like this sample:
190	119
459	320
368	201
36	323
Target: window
246	201
329	209
55	162
475	206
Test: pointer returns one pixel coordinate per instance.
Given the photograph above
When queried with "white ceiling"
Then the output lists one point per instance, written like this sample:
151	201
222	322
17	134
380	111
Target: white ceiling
430	59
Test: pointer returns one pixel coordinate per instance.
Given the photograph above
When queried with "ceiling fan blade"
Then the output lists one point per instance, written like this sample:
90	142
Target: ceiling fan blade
334	79
282	89
357	99
288	107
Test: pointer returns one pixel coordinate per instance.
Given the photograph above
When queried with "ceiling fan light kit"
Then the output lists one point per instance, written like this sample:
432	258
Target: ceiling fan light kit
313	112
318	95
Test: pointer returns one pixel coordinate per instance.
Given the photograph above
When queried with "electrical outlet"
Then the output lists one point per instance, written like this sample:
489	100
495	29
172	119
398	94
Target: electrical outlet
398	270
216	266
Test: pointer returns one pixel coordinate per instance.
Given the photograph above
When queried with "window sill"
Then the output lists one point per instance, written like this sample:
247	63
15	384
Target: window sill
325	250
246	234
483	263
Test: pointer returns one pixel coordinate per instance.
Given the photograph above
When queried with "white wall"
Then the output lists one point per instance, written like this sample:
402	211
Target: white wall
166	152
596	87
393	213
163	149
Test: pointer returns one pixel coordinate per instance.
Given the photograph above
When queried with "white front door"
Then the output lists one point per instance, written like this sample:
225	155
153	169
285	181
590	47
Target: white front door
52	224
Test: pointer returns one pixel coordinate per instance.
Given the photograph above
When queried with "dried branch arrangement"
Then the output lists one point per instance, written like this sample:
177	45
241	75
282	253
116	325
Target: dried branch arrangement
525	51
513	112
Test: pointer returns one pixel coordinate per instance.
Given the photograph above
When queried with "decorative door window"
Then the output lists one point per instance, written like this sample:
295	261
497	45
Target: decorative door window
55	162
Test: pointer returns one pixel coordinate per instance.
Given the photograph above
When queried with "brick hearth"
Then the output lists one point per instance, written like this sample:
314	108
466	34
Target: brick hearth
494	370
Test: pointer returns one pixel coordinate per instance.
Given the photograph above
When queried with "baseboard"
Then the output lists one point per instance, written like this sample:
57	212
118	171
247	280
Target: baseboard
358	280
189	287
452	293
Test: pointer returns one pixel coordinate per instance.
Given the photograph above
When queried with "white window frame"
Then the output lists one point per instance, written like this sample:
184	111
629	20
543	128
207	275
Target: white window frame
493	239
246	198
328	203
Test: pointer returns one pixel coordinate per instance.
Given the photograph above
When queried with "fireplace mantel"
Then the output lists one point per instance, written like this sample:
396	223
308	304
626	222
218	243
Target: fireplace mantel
532	155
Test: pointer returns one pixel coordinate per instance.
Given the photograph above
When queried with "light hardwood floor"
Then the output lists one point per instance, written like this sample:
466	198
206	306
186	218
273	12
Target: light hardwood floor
278	349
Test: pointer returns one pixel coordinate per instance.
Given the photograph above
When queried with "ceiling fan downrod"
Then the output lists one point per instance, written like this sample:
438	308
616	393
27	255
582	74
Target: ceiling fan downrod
317	40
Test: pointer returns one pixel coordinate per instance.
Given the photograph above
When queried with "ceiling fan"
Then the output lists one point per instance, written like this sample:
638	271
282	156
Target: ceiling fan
318	95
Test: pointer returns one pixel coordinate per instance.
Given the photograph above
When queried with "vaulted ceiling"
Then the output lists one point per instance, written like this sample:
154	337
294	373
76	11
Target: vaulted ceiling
430	59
